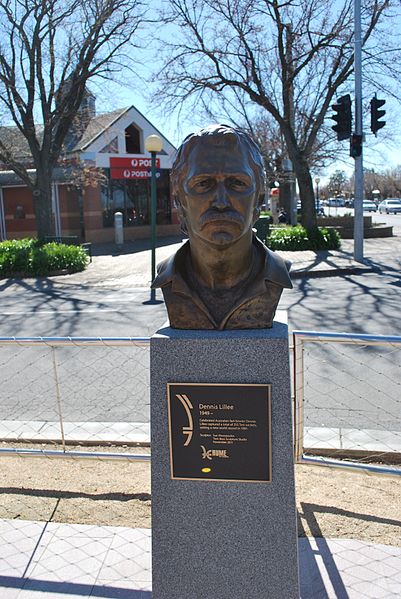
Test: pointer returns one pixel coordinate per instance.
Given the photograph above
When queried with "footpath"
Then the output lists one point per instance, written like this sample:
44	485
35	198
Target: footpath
82	529
129	266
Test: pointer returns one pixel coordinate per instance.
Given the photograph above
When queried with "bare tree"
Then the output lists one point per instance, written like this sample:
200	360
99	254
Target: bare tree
289	57
267	134
387	182
49	51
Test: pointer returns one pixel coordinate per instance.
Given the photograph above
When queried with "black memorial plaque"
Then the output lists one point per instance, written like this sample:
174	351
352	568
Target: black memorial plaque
220	431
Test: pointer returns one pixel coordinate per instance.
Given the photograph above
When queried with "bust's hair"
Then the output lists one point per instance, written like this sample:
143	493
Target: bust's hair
216	135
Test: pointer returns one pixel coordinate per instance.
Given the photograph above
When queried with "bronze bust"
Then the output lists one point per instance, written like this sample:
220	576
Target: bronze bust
223	277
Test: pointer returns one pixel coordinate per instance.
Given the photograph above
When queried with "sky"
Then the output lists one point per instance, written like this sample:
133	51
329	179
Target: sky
380	153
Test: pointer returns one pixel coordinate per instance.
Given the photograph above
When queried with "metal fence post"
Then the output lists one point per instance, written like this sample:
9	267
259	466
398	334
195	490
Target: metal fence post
298	397
58	397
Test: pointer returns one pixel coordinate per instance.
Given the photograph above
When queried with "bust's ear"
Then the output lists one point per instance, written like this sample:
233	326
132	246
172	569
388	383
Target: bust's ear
181	215
256	214
257	209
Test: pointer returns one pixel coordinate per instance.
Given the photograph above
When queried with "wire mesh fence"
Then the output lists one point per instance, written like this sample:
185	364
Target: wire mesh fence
79	526
347	418
76	526
95	391
348	399
75	390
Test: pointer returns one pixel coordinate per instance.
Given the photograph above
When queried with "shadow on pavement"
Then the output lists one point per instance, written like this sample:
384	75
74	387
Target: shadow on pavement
308	557
132	247
72	588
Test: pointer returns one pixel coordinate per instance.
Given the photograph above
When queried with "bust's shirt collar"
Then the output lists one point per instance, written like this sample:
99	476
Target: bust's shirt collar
275	269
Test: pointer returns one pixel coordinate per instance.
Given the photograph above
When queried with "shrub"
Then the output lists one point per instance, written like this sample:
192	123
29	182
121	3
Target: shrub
298	238
58	256
27	257
14	255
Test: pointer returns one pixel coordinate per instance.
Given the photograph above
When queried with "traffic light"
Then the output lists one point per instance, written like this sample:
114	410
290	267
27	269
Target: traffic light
355	145
376	114
343	117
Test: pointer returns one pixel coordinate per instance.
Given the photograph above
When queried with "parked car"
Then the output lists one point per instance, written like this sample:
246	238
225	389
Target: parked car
339	202
392	205
318	206
369	206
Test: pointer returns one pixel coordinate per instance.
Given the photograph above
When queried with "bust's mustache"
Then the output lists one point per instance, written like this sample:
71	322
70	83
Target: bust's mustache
213	214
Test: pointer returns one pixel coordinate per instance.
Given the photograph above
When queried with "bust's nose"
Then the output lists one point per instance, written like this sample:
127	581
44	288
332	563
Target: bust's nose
220	197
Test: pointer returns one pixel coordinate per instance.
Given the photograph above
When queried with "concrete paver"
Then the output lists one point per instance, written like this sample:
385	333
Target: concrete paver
64	560
130	266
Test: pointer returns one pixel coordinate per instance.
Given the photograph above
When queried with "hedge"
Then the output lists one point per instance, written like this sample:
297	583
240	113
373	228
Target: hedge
28	257
298	238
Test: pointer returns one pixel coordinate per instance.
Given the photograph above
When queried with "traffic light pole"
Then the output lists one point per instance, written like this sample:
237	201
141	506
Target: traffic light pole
358	189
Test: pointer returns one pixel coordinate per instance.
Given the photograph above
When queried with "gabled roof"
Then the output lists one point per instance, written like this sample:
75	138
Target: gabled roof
16	142
76	142
97	125
108	120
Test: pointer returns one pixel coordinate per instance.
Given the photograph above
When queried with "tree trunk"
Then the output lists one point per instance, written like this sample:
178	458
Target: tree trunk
285	196
306	193
81	215
301	169
42	201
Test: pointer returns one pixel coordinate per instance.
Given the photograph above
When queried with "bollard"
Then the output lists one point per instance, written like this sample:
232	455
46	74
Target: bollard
274	208
118	229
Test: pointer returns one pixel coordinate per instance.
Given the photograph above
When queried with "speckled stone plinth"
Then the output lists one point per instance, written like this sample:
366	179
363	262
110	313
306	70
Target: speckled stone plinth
223	540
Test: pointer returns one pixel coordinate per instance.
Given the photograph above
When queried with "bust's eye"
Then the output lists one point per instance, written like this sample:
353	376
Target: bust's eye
203	185
237	184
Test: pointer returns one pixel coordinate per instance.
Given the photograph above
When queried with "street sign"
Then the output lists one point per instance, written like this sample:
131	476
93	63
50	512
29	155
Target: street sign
131	173
137	163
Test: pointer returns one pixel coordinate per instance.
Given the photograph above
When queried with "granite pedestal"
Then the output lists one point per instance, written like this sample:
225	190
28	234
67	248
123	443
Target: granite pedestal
214	539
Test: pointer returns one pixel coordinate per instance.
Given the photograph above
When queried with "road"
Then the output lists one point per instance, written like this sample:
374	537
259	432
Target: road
71	306
353	387
388	219
111	385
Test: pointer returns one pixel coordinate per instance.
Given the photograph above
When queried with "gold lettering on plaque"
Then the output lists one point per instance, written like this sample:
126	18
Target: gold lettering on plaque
187	430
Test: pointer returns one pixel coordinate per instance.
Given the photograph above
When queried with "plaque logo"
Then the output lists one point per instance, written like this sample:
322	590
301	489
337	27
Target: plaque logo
187	430
209	454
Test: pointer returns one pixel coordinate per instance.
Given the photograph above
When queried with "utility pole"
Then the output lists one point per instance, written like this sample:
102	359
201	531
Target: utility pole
291	113
358	189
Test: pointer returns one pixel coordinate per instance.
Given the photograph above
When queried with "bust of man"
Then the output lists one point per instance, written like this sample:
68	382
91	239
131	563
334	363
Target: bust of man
223	277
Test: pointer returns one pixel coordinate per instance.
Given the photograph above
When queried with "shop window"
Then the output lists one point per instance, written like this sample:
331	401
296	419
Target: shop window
132	198
132	140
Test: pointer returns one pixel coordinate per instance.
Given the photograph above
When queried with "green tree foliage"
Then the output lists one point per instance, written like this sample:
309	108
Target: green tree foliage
337	183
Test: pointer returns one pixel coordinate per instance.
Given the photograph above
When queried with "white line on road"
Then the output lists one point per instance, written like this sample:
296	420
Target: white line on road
58	311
